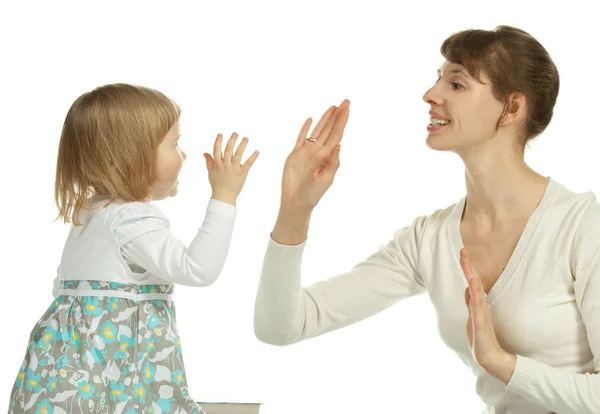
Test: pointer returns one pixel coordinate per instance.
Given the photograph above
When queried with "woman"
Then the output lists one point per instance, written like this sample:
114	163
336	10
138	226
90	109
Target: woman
515	261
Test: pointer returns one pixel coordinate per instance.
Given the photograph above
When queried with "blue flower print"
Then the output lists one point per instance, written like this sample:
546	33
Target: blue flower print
44	407
149	372
112	304
108	332
20	377
139	392
86	390
62	361
91	305
49	335
95	285
153	321
56	302
117	391
125	342
33	381
177	376
74	337
51	383
165	404
177	343
148	289
150	345
115	285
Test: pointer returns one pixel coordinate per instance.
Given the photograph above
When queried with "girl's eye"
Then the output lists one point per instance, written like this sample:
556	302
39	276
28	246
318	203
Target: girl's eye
458	85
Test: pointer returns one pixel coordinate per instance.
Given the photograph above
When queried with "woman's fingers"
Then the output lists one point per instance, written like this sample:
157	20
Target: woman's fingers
337	131
325	118
303	133
331	122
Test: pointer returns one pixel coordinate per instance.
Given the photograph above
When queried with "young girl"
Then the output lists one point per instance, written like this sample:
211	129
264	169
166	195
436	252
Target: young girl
109	342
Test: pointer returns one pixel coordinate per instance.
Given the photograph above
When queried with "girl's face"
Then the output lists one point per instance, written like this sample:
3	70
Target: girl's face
469	106
169	162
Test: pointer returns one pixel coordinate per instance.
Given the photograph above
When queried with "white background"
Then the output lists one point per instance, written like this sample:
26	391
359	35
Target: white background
261	68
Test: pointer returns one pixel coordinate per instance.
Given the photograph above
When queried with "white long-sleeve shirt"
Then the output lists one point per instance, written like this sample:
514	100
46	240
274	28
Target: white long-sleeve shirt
131	242
545	305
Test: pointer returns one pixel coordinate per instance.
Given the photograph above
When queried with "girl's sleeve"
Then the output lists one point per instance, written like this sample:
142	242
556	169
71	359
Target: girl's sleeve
145	239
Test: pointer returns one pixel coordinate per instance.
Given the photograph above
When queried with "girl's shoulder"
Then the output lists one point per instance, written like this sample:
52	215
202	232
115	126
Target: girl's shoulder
120	214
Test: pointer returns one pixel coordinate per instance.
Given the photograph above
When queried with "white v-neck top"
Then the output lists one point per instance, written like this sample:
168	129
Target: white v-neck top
545	304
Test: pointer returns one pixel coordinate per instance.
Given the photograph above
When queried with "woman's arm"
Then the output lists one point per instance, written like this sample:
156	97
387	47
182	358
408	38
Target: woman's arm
286	312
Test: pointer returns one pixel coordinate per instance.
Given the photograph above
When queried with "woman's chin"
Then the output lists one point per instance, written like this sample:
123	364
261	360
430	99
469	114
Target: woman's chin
439	142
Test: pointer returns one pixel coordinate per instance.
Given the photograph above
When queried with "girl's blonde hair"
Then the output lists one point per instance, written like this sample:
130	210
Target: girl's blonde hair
108	146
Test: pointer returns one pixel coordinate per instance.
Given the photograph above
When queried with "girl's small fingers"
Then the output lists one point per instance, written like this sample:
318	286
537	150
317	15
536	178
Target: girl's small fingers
217	151
229	148
209	160
240	150
250	161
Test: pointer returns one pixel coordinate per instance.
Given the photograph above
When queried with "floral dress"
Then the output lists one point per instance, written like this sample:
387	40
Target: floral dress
105	354
111	346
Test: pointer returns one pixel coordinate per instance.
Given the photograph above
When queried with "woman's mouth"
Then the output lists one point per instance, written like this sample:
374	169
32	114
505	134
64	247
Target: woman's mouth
436	124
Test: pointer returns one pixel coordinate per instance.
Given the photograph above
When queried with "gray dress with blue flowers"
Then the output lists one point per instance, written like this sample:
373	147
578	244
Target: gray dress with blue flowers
110	344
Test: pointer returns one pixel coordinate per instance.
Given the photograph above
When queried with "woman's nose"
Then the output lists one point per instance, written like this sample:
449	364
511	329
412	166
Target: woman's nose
432	97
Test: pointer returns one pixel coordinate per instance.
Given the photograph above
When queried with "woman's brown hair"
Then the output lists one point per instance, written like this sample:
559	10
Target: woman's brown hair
514	62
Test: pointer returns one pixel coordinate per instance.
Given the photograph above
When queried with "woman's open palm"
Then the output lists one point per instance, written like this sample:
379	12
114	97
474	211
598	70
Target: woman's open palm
311	166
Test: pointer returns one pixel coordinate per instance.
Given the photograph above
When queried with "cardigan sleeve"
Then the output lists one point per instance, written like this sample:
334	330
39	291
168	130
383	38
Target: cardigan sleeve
285	312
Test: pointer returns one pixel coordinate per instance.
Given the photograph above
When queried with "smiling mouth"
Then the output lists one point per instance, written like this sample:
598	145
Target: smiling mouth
437	121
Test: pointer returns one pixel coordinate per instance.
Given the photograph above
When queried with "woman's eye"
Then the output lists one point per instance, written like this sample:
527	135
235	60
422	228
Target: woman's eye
456	86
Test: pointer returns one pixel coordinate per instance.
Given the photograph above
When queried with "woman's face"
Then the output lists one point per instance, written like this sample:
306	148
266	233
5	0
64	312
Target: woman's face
469	108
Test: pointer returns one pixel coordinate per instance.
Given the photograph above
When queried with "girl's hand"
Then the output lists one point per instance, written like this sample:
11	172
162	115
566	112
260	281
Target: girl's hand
226	174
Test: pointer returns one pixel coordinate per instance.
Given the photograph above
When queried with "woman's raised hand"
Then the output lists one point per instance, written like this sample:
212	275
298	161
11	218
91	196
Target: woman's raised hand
311	166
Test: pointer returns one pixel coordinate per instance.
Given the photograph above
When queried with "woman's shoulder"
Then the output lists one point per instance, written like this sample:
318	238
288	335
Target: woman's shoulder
569	206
